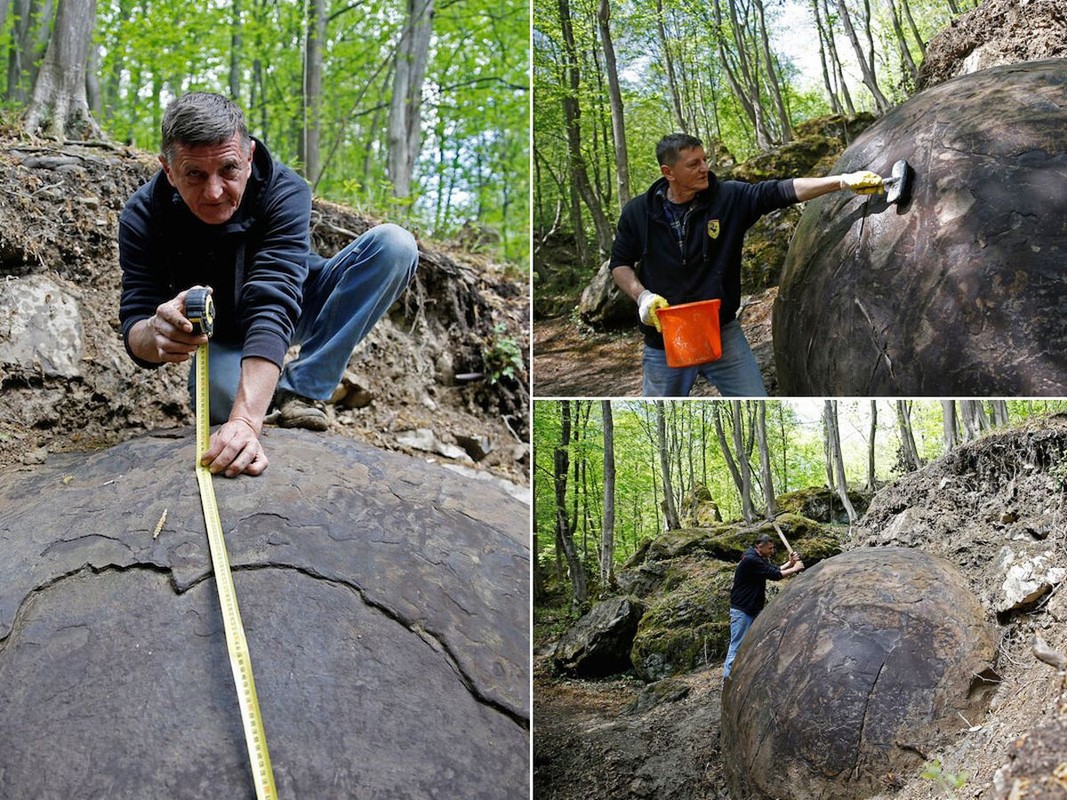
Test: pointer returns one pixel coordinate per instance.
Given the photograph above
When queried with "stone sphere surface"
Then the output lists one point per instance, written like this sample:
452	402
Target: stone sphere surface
385	603
960	291
868	651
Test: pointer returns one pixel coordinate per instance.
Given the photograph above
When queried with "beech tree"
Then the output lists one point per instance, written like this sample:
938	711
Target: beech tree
60	106
607	545
405	107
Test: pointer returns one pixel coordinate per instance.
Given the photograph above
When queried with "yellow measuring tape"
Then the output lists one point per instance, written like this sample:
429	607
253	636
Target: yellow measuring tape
200	312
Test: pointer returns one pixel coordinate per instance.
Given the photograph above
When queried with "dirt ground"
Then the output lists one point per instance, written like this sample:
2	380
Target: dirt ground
573	360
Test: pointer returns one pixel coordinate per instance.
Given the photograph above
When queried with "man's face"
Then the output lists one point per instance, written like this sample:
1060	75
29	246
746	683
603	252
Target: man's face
766	549
211	178
689	174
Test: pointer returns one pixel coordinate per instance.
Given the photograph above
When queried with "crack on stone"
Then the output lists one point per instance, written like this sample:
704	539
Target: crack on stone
62	542
435	643
863	721
84	569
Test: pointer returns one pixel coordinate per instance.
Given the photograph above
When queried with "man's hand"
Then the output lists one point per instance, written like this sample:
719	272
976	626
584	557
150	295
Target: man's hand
648	303
235	450
863	182
166	337
793	558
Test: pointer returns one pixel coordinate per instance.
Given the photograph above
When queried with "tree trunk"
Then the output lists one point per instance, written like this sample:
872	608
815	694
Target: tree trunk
765	461
907	63
405	106
564	533
835	104
236	46
772	76
871	475
607	542
724	446
866	61
312	127
1000	412
834	438
572	117
835	59
672	81
949	433
618	123
909	451
665	468
747	511
60	104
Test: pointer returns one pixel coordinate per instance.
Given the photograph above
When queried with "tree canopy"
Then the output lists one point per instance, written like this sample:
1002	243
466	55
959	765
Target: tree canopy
318	80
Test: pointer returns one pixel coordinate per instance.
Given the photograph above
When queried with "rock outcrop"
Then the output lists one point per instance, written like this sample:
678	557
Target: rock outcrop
385	602
959	291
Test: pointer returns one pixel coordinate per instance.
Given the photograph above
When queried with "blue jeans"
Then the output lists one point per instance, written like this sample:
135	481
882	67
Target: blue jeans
736	374
740	622
342	301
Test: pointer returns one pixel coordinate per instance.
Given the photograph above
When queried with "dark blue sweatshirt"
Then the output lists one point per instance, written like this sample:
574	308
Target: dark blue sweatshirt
749	593
256	263
710	267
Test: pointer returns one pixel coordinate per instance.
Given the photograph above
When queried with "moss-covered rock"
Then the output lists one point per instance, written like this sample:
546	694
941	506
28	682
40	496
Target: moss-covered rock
822	504
686	628
698	509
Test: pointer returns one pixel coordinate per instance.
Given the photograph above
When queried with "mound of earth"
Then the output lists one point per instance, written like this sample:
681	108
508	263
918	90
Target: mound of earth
996	32
385	602
954	293
444	372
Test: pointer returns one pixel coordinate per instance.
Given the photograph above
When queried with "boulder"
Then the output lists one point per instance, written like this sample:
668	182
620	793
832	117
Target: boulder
959	291
996	32
822	504
598	644
697	508
385	602
603	305
40	328
869	650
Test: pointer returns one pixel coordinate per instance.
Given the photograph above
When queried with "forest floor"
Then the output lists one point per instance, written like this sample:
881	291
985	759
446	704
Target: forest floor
573	360
59	207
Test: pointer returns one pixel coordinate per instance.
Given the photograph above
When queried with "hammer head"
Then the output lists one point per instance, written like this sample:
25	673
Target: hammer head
899	184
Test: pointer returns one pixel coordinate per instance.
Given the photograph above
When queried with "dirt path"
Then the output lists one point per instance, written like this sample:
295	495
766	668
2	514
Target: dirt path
590	740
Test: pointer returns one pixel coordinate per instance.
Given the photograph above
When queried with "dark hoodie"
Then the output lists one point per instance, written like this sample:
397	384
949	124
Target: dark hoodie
749	593
256	263
711	265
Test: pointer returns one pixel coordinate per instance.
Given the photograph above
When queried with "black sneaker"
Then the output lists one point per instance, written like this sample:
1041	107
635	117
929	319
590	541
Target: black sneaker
295	411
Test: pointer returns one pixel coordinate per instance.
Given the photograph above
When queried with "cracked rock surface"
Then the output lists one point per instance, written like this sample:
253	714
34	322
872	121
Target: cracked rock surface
844	681
385	603
958	292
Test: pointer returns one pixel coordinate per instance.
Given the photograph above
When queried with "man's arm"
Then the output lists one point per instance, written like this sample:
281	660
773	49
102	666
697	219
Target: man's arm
626	279
235	447
859	182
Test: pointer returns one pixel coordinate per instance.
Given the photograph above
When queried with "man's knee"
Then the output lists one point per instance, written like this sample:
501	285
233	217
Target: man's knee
397	245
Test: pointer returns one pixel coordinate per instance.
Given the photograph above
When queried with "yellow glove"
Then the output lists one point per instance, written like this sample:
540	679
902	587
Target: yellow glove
863	182
648	303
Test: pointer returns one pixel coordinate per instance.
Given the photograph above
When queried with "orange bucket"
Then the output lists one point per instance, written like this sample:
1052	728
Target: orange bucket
691	333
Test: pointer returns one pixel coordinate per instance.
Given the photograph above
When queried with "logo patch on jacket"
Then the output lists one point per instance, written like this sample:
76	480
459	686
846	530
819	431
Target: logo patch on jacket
713	228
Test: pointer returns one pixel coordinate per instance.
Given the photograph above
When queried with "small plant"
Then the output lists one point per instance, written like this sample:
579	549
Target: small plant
947	782
1059	472
503	356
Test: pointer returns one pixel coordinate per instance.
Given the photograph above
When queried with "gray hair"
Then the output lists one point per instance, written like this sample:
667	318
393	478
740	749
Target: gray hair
202	118
670	147
764	538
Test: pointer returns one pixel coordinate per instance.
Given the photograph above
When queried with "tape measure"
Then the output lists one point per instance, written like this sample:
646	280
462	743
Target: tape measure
200	310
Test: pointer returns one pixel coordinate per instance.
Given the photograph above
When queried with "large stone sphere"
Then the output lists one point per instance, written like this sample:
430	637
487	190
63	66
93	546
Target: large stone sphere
961	291
856	667
385	602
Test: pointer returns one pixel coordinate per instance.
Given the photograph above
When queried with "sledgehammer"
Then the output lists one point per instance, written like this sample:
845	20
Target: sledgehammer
782	537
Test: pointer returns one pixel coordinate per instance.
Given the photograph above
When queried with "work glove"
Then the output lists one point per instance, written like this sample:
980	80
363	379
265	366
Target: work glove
863	182
648	303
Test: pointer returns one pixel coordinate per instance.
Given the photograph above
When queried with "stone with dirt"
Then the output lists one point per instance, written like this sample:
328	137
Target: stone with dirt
599	643
384	599
953	293
996	32
857	661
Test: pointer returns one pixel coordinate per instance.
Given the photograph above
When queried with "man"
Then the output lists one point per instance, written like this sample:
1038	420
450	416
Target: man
686	232
222	213
749	593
